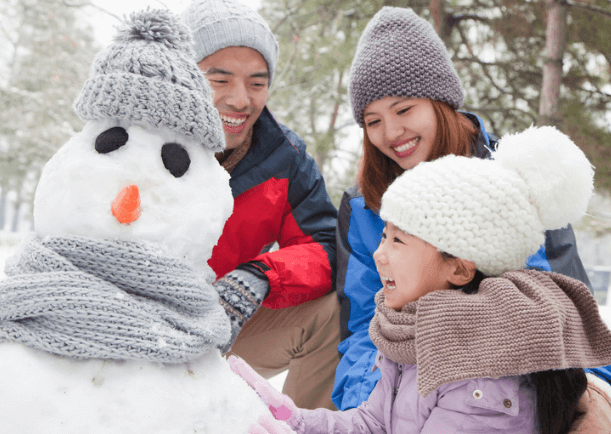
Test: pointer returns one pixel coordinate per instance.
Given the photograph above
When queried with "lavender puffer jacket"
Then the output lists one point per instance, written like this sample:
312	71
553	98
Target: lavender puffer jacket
484	405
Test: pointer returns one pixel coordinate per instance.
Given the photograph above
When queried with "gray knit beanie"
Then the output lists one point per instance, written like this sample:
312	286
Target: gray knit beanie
218	24
147	76
400	54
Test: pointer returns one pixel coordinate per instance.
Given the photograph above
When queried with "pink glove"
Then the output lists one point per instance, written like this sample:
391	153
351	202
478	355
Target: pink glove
282	407
268	425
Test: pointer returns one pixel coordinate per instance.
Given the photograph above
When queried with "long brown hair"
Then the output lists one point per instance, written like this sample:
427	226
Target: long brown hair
455	134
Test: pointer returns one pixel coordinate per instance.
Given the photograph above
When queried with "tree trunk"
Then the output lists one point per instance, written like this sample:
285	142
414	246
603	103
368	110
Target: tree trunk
555	45
436	8
441	20
17	208
2	208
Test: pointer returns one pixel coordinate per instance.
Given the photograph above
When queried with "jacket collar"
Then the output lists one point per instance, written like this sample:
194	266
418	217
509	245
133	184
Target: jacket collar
486	142
267	136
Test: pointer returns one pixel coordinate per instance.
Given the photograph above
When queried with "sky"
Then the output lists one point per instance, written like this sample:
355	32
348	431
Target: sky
104	22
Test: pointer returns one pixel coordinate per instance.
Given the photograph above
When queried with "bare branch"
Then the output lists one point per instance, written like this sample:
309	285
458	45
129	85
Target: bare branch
586	6
84	4
484	68
453	19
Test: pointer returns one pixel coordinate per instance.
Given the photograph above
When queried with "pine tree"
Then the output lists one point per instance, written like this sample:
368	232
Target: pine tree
498	48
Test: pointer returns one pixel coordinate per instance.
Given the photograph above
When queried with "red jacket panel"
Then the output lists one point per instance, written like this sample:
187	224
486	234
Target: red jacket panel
280	196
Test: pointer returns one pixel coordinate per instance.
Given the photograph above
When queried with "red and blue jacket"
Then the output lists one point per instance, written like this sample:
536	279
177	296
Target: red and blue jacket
280	196
359	232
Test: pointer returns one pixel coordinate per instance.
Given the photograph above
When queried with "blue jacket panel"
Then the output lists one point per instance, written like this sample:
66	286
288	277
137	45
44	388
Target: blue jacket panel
358	235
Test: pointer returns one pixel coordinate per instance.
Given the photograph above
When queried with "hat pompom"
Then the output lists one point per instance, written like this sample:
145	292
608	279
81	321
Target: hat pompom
156	25
559	176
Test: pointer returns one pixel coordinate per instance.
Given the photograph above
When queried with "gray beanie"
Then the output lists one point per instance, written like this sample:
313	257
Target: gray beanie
400	54
218	24
147	76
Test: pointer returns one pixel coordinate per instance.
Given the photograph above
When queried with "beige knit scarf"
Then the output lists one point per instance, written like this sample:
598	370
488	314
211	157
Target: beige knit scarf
524	321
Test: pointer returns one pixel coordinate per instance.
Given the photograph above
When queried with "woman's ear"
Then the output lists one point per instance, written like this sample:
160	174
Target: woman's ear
462	272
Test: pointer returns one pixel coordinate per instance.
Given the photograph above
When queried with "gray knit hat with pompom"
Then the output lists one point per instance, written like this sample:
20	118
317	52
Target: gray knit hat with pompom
400	54
148	77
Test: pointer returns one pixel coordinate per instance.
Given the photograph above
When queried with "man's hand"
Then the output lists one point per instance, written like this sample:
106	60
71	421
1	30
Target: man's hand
241	294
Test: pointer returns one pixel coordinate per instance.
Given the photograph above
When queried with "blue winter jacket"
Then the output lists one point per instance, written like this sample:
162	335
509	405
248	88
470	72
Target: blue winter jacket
358	234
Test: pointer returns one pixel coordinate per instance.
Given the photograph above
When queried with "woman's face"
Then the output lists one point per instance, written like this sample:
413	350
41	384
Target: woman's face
403	129
409	267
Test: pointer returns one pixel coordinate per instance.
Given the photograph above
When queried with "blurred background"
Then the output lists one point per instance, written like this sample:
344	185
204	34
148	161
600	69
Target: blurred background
522	62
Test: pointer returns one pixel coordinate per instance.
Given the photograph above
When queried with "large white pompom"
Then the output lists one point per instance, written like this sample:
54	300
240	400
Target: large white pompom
558	174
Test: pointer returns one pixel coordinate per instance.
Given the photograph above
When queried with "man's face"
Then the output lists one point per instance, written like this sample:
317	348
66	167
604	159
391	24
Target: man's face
240	81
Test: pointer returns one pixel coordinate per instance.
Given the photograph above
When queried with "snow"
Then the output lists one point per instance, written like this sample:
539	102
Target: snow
185	215
180	214
42	392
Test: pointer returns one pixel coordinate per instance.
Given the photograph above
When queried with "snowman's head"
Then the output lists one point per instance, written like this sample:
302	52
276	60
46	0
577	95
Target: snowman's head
119	181
143	168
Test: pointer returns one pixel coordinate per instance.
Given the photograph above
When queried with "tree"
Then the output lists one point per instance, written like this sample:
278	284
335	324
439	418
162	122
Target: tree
512	81
498	48
317	41
555	44
46	58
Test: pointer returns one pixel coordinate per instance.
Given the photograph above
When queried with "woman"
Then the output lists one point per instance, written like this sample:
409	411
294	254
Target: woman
405	95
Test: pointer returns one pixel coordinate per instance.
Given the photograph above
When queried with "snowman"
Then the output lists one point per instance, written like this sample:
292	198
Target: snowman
109	322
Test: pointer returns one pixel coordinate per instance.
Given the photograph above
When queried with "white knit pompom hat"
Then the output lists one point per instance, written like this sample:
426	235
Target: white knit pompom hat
494	212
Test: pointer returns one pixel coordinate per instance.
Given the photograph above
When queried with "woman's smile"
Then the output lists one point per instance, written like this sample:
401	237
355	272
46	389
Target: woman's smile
405	148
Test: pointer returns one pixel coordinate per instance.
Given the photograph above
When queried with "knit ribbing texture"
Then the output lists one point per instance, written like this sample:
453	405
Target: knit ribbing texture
148	77
468	207
218	24
524	321
400	54
241	294
85	298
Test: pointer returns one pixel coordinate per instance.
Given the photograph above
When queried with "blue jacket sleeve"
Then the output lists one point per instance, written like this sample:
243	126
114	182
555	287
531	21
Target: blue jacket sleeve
358	235
559	255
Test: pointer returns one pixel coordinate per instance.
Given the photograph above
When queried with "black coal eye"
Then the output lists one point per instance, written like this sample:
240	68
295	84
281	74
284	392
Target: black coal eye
111	140
175	158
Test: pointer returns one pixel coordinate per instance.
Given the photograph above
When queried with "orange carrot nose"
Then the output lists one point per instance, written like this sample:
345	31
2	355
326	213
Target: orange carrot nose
126	206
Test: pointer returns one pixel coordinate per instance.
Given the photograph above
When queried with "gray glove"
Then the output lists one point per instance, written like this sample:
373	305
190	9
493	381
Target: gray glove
241	294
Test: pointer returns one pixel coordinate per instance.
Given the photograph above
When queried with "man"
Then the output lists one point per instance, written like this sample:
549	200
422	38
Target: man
280	197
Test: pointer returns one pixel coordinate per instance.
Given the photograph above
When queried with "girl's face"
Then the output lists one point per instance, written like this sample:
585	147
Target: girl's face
409	267
403	129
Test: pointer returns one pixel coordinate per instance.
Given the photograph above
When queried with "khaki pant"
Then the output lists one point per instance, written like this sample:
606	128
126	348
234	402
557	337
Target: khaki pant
303	339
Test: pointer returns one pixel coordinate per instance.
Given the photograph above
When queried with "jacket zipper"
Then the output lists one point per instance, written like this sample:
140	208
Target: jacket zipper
397	383
395	390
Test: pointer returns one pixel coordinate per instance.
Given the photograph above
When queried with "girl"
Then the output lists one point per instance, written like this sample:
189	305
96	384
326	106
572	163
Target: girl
468	341
405	94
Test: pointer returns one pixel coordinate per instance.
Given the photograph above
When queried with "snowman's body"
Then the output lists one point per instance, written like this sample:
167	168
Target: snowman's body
45	393
182	216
